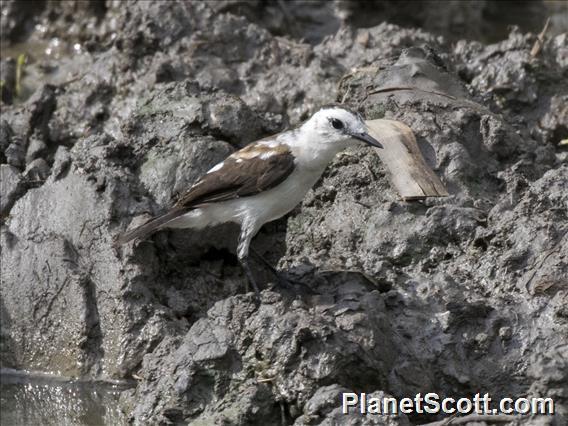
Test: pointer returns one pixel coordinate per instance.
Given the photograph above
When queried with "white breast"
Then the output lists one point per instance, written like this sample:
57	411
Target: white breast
278	201
255	210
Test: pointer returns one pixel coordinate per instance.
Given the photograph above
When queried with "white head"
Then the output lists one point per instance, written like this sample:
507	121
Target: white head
336	128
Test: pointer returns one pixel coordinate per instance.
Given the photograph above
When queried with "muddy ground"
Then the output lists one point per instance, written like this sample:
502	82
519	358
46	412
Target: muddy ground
136	100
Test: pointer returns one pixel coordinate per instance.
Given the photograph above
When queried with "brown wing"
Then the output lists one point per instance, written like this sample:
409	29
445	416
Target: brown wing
247	172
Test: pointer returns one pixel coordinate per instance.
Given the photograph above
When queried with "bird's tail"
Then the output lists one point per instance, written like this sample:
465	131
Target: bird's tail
145	230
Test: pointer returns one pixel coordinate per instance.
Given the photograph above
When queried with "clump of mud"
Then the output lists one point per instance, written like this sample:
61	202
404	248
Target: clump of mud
456	296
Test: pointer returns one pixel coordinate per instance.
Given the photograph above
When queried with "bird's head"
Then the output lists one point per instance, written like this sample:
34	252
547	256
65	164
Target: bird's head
339	128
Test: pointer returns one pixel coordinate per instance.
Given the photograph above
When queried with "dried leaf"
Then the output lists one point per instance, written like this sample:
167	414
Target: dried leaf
409	173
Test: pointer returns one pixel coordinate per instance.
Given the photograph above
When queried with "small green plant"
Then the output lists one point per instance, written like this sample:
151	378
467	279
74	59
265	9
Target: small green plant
20	63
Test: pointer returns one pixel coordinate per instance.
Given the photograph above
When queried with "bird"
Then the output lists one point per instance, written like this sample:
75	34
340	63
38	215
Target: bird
262	181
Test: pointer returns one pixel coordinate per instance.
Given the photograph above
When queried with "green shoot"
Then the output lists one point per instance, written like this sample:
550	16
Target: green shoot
19	71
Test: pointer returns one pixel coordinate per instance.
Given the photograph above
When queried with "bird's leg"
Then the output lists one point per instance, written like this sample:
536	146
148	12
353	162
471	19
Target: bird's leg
247	233
282	280
265	262
250	276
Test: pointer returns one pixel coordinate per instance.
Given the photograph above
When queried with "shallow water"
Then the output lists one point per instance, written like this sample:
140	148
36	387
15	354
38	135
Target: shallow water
46	400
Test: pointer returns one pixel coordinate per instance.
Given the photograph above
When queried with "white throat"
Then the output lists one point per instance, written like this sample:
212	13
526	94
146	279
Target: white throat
311	149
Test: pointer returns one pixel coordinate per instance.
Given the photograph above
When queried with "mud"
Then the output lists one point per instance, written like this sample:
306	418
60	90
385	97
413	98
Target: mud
456	296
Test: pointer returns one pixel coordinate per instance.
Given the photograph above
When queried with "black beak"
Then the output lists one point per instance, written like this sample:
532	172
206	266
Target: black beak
365	137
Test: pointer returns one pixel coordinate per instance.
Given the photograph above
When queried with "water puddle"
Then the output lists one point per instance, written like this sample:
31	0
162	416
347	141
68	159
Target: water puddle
37	62
36	399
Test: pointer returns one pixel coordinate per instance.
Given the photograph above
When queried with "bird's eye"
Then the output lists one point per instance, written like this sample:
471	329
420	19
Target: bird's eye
337	124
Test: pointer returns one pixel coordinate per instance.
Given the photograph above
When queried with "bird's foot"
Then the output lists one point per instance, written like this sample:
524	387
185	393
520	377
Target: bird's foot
282	279
250	279
291	284
254	286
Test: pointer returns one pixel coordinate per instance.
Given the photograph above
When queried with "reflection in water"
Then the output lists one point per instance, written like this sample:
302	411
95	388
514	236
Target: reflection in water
44	400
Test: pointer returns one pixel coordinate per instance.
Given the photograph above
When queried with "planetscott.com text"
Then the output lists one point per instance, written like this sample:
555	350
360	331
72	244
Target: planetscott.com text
432	403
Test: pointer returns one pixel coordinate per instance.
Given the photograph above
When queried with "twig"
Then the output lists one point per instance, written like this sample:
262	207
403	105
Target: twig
397	88
540	39
72	79
345	95
458	101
